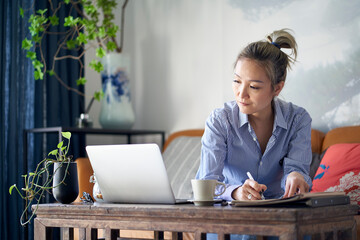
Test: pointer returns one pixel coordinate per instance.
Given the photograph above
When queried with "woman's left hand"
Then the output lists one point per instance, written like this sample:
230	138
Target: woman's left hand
295	183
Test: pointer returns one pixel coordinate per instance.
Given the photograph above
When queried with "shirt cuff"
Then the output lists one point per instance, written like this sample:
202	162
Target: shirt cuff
228	192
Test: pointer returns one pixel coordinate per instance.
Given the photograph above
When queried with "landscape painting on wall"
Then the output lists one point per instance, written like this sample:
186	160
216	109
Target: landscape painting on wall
326	78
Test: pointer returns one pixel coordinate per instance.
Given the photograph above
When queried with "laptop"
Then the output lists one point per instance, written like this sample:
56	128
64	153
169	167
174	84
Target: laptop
131	173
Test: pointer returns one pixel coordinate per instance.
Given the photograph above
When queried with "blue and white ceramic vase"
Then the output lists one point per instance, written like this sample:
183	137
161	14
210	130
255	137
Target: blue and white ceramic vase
116	108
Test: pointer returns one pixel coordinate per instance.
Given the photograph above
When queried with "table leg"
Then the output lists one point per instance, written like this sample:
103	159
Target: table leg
221	236
290	235
111	234
354	231
91	234
39	230
159	235
67	233
200	236
82	234
174	236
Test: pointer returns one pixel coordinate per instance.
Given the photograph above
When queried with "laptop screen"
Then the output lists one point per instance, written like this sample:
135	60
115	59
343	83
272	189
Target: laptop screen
131	173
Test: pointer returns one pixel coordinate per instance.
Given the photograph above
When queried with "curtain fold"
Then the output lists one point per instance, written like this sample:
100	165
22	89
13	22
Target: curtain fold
17	101
26	103
54	104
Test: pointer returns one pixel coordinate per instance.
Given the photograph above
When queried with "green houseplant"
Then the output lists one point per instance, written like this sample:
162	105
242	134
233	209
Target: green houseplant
93	26
40	181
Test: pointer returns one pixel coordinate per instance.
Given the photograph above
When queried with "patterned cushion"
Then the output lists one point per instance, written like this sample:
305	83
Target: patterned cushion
182	159
316	159
340	171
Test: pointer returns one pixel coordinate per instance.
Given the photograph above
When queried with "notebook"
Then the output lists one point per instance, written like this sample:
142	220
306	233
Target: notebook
131	173
316	199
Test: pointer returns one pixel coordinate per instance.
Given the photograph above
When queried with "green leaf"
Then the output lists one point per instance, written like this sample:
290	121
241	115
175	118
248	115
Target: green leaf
33	30
66	135
21	10
37	64
26	44
100	52
112	31
111	46
60	144
71	44
81	81
41	11
36	38
32	18
96	65
70	21
82	38
53	152
91	36
54	20
102	32
51	72
99	95
38	74
11	188
67	1
32	174
31	55
90	9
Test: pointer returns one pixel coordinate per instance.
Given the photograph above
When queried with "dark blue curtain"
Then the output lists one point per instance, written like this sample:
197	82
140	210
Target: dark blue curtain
26	103
17	112
55	105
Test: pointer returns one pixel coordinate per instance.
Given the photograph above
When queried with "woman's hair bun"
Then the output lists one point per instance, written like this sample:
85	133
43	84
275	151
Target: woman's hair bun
284	39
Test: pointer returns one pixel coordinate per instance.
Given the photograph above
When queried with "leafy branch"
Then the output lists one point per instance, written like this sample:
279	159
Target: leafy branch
37	183
85	28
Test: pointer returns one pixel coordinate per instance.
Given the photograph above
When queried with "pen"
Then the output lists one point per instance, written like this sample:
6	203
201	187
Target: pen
262	192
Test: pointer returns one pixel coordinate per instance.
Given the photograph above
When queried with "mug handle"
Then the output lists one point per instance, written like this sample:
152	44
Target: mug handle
220	183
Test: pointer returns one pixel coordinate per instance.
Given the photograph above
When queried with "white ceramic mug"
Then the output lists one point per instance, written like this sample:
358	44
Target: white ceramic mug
204	190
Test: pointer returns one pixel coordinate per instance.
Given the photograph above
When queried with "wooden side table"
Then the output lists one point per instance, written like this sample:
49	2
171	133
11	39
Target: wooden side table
287	223
81	132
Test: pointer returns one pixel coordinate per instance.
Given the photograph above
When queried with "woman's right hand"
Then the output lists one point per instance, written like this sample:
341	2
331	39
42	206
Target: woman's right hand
250	190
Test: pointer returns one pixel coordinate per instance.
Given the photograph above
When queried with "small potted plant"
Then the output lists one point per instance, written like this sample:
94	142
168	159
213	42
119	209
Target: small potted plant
63	181
87	24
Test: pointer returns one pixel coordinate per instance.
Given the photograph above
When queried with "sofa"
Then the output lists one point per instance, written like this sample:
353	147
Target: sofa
181	155
339	148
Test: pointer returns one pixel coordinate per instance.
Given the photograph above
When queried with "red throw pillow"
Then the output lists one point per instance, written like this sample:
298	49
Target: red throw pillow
339	170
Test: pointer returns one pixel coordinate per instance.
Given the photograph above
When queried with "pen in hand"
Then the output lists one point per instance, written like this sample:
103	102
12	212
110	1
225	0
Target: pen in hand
262	192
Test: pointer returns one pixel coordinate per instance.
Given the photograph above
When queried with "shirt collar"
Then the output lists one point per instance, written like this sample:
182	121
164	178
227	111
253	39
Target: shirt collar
279	117
243	119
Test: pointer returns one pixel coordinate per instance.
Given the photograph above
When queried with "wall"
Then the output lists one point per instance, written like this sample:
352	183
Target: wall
182	54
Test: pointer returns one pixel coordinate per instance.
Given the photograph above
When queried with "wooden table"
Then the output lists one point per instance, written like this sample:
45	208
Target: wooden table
288	223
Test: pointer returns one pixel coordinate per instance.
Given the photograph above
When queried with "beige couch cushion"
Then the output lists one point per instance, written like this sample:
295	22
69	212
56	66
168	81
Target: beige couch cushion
182	159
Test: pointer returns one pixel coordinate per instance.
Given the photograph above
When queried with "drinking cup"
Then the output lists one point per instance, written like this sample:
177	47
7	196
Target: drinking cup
204	189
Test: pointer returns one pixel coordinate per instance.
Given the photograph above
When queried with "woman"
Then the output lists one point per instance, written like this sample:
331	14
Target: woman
258	133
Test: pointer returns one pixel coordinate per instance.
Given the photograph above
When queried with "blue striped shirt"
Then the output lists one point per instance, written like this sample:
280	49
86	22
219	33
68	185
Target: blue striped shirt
230	148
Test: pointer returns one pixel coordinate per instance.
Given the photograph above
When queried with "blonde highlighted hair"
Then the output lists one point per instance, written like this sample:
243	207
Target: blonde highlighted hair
267	53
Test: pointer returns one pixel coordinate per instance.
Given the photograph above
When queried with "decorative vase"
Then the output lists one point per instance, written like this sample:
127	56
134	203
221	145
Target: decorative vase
97	195
65	188
116	107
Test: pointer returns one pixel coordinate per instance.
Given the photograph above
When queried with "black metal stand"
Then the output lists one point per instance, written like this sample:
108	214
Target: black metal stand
85	131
